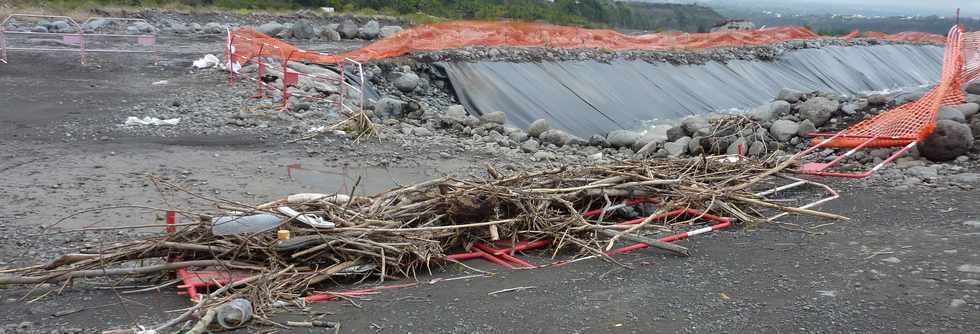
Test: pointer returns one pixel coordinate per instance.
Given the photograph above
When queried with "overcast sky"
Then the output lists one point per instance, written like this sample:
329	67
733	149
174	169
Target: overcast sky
905	7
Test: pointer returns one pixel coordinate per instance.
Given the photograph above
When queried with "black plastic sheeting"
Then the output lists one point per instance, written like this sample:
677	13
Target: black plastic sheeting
586	98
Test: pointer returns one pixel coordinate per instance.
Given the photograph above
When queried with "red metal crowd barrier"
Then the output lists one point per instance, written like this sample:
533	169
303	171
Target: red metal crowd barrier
77	40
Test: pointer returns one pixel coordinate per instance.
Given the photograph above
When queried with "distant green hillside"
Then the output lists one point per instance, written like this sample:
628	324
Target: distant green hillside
590	13
665	16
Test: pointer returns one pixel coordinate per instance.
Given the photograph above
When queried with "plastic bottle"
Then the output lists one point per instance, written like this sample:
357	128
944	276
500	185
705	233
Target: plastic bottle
229	225
234	313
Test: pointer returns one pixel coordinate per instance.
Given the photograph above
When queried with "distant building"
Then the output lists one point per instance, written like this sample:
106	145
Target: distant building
734	25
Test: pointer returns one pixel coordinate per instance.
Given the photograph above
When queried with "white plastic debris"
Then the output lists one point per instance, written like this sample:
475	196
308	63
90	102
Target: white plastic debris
208	61
131	120
308	219
303	198
161	82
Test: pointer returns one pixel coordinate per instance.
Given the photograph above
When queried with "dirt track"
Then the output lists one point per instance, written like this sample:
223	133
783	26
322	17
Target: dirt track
755	279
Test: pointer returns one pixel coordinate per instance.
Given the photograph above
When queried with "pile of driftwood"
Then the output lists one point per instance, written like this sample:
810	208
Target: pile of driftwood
395	233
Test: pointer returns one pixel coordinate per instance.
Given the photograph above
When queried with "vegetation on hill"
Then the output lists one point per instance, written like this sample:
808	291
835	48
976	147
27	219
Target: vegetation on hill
589	13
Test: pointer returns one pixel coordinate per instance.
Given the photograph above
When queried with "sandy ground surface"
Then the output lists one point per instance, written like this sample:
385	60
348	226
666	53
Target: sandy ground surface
903	264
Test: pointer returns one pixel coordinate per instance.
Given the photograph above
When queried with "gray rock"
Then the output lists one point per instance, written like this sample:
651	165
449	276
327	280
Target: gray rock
543	155
180	28
95	25
968	178
329	34
957	303
969	268
819	110
677	148
388	31
950	113
39	29
303	29
598	141
879	99
970	282
695	146
518	136
62	26
972	98
389	107
494	117
948	141
213	28
740	146
891	260
622	138
975	127
407	82
651	137
537	128
806	126
530	146
784	130
694	124
789	95
769	111
556	137
370	30
271	28
906	97
757	148
968	109
675	133
422	132
347	29
972	87
924	172
455	113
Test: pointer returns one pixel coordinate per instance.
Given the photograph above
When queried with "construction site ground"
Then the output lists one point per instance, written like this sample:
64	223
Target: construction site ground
903	264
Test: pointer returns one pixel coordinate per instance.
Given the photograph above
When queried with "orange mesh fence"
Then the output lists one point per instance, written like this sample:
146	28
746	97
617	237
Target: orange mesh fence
459	34
912	37
915	121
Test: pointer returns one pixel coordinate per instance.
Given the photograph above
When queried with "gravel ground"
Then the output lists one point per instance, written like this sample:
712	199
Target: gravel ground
905	263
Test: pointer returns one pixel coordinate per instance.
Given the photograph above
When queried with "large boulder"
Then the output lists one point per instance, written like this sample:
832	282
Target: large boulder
214	28
784	130
968	109
949	140
62	26
655	136
806	126
388	31
370	30
494	117
975	127
879	99
388	107
622	138
272	28
973	87
407	82
675	133
347	29
819	110
769	111
677	148
694	124
456	113
538	127
556	137
329	35
950	113
789	95
303	29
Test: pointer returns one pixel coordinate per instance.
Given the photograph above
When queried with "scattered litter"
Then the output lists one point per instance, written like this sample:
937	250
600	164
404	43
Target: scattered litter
161	82
520	288
308	219
235	313
208	61
232	225
131	120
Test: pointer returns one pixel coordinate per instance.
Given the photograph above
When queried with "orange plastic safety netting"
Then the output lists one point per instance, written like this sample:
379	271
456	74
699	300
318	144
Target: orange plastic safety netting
248	43
912	37
915	121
